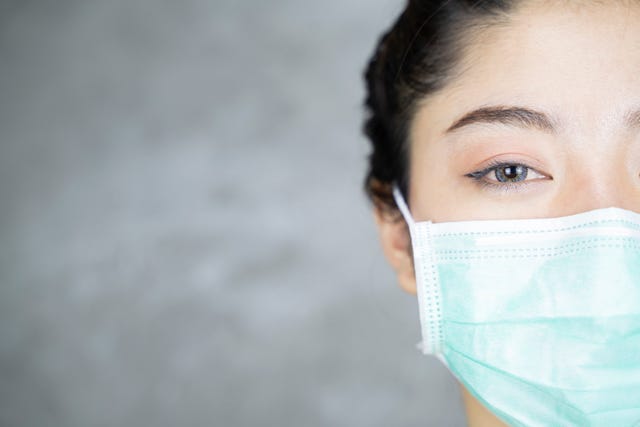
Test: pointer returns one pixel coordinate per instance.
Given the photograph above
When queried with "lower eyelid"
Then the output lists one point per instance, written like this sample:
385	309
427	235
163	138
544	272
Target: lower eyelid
507	187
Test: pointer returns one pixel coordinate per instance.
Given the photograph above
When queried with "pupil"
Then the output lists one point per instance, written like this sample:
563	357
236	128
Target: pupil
512	173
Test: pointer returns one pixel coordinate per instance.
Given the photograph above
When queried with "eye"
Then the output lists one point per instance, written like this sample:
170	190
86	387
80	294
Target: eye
504	173
510	173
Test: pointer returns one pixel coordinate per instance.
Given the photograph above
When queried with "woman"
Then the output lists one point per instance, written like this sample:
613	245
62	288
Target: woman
525	113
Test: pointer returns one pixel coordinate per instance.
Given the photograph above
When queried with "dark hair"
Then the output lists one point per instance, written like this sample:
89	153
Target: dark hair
413	59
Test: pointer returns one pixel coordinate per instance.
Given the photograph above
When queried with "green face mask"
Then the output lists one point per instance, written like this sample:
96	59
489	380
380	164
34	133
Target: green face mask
539	318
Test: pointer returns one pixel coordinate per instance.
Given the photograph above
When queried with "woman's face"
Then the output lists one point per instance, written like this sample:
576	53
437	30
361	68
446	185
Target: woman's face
542	121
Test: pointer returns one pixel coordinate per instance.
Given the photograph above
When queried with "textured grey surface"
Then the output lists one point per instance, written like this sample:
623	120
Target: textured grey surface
184	238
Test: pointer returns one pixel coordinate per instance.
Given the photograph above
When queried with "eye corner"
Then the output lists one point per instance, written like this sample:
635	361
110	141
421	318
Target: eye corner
478	174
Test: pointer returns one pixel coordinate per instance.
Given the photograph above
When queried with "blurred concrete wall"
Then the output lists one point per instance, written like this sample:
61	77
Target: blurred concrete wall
184	240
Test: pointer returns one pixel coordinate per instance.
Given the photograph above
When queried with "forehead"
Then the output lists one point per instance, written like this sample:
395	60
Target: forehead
577	59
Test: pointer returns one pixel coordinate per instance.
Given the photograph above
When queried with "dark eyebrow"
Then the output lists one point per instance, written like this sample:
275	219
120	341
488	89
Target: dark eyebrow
632	119
513	116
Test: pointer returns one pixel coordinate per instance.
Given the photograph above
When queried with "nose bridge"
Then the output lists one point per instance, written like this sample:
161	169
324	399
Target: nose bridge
607	193
606	182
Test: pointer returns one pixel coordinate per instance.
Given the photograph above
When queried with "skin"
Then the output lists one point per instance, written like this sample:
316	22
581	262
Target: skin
578	63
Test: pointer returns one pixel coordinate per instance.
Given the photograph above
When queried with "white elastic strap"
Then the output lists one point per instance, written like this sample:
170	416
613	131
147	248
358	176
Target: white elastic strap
427	296
402	205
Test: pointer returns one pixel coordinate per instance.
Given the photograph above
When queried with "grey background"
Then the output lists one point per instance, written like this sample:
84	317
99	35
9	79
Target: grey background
184	236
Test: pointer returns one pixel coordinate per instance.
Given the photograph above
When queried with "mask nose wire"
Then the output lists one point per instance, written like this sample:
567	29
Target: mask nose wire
402	205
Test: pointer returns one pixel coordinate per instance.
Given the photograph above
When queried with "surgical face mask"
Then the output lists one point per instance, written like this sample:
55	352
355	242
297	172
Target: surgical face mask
538	318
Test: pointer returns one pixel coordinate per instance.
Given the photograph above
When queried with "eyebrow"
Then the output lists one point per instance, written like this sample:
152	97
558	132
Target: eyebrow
512	116
632	119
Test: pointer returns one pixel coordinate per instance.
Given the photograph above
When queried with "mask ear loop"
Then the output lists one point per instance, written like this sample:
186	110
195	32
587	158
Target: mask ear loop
404	209
426	280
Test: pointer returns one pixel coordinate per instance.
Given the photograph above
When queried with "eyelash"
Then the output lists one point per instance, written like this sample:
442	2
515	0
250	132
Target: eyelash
478	176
